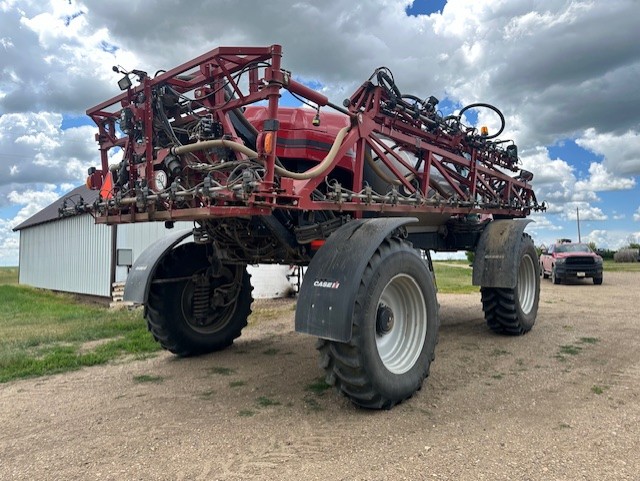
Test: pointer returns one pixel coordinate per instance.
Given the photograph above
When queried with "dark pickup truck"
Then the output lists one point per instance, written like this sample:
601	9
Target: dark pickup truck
565	260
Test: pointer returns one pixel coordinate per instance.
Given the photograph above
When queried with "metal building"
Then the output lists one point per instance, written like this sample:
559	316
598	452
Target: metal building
73	254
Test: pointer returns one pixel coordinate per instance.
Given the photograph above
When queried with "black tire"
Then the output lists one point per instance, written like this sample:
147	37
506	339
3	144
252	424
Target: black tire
543	273
514	311
170	307
597	281
394	332
554	278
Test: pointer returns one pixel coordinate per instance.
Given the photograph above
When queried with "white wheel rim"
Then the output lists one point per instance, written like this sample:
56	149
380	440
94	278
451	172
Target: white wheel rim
526	284
399	346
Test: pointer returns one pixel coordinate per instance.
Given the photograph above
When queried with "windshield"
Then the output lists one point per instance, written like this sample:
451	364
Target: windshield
573	248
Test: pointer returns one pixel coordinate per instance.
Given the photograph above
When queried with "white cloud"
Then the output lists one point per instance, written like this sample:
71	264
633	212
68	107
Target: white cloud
636	215
602	180
32	201
584	210
621	152
34	149
610	239
556	69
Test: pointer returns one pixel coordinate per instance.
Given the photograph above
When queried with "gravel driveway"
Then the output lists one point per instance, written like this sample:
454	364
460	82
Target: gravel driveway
561	403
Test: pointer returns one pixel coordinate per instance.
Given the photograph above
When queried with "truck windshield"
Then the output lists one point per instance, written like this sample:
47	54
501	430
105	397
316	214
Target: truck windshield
573	248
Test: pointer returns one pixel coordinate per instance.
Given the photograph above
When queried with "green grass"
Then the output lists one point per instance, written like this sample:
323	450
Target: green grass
222	371
264	402
454	277
8	275
148	378
589	340
611	266
44	333
597	389
570	350
319	386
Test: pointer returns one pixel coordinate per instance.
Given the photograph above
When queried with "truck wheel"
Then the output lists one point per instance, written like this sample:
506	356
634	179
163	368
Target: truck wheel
597	281
554	278
394	332
513	311
543	273
193	310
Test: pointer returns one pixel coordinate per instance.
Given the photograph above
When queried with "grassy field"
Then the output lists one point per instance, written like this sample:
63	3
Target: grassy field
45	333
454	277
8	275
610	266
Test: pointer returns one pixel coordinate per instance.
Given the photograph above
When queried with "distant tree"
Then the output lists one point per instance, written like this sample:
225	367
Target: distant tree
471	255
592	245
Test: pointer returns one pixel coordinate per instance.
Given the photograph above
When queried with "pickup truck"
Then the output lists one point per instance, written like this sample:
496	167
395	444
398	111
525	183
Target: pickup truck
575	260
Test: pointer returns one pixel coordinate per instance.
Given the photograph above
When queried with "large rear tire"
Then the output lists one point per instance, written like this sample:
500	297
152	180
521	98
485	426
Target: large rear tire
194	308
394	332
514	311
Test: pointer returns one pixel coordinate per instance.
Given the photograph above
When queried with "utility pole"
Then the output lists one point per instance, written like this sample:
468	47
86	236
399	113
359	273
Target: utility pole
578	218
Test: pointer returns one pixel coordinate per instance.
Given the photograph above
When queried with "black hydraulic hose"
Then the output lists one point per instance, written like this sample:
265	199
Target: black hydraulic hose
490	107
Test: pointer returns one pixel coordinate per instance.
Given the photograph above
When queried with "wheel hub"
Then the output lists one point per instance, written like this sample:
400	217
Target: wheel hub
384	319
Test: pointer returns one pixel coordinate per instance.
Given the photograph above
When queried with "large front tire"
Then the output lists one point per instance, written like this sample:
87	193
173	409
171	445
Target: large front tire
394	332
194	308
514	311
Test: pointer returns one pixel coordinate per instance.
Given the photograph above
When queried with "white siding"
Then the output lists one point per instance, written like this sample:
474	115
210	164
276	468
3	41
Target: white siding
139	236
70	254
270	281
75	255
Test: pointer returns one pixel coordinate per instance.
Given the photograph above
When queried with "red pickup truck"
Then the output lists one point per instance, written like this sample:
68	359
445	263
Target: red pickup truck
564	260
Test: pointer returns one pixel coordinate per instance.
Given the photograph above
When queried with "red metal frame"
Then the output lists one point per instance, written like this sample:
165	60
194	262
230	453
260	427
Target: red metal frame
472	172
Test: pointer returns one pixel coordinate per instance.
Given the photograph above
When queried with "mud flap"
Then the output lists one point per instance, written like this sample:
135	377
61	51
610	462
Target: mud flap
139	279
328	292
496	259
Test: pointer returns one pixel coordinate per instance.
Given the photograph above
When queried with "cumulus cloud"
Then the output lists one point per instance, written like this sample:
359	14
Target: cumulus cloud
563	67
621	152
34	149
53	59
602	180
610	239
584	210
557	70
636	215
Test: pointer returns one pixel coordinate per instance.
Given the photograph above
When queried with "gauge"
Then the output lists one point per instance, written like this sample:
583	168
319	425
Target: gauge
160	180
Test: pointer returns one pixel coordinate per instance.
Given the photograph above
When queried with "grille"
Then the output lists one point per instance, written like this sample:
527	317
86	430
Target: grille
581	261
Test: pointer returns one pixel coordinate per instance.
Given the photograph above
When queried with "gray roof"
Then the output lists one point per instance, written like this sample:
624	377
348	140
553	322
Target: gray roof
50	213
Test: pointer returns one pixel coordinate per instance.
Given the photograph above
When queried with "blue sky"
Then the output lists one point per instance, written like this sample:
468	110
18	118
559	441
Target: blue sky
564	74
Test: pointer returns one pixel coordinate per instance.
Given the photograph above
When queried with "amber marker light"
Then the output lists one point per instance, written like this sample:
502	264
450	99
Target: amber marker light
268	142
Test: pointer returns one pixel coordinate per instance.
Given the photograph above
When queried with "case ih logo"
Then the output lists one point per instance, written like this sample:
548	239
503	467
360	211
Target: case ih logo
326	284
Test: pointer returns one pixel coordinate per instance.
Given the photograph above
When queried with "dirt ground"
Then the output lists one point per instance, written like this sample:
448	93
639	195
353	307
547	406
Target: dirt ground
561	403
